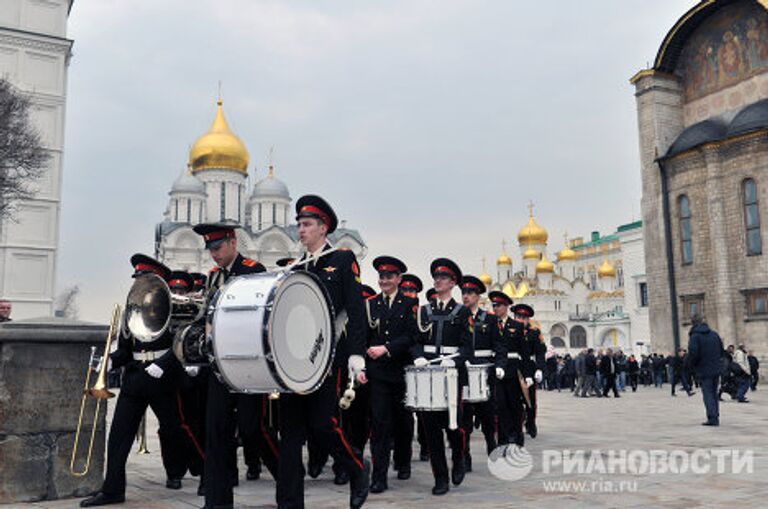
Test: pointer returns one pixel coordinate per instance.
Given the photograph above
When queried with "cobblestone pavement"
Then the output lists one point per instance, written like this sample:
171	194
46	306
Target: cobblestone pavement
647	420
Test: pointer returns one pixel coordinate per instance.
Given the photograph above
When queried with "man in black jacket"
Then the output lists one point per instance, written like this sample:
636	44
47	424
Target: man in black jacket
608	370
590	375
150	379
314	413
509	369
678	373
705	350
227	413
391	335
484	332
444	327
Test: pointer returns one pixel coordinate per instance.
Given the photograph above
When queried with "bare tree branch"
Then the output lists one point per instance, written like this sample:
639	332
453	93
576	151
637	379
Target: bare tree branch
22	156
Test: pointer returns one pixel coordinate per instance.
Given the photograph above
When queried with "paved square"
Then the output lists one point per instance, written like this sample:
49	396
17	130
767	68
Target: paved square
647	420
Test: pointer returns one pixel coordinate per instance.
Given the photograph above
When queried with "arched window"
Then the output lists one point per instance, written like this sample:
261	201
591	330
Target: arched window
752	218
189	210
557	343
578	337
686	244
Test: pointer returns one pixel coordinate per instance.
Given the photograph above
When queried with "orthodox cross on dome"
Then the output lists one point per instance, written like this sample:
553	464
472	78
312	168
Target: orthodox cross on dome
530	207
219	92
271	162
503	246
565	236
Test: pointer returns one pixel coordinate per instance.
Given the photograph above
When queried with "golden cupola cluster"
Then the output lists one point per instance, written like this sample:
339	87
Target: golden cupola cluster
567	254
606	269
545	266
218	148
532	233
530	254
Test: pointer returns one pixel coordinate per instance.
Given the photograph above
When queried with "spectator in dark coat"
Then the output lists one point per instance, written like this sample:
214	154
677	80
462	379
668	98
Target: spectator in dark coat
608	369
705	350
590	374
633	368
754	366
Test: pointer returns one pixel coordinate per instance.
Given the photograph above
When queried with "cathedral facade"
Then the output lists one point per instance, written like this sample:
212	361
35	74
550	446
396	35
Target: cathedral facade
589	294
215	188
703	123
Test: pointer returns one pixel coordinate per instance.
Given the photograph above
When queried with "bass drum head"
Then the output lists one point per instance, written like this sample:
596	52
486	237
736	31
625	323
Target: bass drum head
301	336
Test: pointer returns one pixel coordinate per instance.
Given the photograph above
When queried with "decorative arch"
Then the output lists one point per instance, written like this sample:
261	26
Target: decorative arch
558	330
578	337
716	44
557	342
613	338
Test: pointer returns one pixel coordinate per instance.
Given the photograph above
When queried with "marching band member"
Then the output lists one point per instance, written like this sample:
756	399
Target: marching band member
392	330
484	332
411	286
225	410
533	362
148	381
314	413
511	389
446	333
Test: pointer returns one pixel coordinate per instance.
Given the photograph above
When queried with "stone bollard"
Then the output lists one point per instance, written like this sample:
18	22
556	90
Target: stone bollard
43	365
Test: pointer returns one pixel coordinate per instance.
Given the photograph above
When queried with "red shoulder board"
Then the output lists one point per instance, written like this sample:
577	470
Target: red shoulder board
415	308
355	269
249	263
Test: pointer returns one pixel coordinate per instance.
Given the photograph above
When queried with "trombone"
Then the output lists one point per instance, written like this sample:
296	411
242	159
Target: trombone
99	391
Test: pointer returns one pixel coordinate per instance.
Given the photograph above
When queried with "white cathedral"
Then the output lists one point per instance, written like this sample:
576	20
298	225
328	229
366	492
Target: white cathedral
593	295
214	188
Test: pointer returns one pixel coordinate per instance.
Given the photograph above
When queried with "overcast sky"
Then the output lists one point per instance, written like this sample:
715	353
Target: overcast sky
429	125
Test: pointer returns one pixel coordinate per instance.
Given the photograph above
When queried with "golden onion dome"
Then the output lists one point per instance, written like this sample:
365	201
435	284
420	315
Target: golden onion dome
485	278
545	266
219	148
606	269
567	255
504	260
530	254
532	233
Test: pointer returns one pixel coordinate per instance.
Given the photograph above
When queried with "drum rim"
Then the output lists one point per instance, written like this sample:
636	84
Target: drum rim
267	326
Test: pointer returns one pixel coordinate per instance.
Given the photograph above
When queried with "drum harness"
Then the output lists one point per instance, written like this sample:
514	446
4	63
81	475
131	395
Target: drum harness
440	320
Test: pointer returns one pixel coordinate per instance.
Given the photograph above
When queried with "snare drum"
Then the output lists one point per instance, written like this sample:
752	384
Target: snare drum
426	388
477	389
273	332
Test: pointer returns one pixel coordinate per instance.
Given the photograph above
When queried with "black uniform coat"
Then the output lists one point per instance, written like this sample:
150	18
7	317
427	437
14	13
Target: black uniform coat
484	335
395	328
511	340
340	275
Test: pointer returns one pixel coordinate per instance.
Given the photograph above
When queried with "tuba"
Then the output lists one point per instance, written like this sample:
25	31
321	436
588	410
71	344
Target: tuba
151	309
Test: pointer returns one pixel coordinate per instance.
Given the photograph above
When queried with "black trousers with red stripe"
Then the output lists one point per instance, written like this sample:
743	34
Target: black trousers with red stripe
391	424
487	413
313	414
434	424
227	411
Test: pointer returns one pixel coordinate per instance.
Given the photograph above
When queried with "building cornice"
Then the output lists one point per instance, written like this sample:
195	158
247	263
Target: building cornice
36	41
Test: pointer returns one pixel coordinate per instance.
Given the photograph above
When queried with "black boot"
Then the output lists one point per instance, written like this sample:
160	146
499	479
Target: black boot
359	484
254	472
457	472
173	483
102	498
440	488
467	463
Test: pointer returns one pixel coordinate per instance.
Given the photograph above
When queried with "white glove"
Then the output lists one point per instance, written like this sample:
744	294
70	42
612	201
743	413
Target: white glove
447	363
538	376
192	370
499	373
154	370
529	381
356	365
420	362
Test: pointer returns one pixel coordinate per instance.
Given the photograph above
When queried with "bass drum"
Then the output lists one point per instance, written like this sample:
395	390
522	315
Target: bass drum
273	332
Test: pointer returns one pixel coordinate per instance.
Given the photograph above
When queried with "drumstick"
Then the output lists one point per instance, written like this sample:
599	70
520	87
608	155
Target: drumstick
443	358
349	393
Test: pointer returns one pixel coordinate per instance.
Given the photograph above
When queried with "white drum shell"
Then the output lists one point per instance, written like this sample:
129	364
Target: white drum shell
273	332
426	388
477	389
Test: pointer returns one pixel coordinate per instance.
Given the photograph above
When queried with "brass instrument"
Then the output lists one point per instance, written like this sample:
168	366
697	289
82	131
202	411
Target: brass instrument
142	435
99	391
151	308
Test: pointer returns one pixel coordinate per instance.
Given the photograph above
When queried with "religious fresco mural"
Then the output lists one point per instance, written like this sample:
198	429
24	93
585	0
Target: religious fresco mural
725	49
